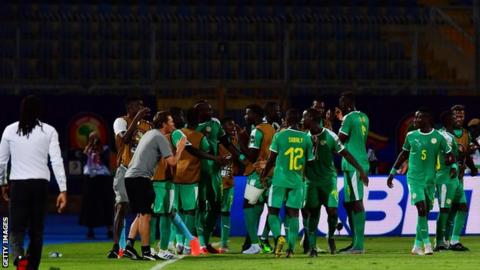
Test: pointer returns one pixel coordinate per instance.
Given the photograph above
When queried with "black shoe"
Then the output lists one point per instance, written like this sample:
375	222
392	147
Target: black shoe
289	253
346	248
440	248
131	253
332	246
211	249
458	247
306	245
113	254
148	256
313	253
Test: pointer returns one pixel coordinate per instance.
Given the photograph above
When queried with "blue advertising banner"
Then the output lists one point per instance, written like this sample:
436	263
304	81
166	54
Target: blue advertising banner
389	212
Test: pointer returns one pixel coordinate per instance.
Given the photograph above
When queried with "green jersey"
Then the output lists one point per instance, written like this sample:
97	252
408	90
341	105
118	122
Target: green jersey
322	170
293	148
178	134
213	130
256	137
355	125
424	149
443	170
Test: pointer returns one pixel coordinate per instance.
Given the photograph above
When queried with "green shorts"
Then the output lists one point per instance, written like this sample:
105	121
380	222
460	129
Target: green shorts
164	195
446	193
318	195
422	192
227	199
353	186
293	197
186	197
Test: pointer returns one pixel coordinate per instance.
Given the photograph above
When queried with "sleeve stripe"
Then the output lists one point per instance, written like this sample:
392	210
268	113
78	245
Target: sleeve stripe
343	132
272	150
253	146
405	149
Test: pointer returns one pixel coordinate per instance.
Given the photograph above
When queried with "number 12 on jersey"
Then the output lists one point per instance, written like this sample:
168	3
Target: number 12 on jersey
295	154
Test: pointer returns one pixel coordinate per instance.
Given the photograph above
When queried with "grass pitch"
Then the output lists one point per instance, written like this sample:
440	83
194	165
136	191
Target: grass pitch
382	253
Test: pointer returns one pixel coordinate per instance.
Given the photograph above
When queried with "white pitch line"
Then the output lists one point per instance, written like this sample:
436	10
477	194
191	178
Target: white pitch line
165	263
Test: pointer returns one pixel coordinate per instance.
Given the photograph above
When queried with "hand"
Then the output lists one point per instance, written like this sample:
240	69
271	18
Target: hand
181	144
390	181
61	201
5	193
453	173
224	160
260	164
364	178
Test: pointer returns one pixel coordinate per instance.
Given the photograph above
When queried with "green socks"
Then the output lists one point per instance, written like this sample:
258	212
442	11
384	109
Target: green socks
460	219
165	225
441	224
422	226
312	228
286	222
200	221
275	225
251	221
359	228
225	223
450	222
292	232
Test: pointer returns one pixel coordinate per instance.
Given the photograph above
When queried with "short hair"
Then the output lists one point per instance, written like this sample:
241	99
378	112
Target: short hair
349	96
256	109
128	100
319	99
200	101
426	111
226	119
457	107
292	115
270	104
162	117
446	116
315	114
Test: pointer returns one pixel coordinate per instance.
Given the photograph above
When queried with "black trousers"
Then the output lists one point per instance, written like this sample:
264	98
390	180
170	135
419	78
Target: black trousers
27	209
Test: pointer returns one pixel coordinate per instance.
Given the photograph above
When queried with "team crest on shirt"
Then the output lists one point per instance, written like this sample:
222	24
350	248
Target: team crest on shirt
449	201
414	196
208	129
323	142
434	140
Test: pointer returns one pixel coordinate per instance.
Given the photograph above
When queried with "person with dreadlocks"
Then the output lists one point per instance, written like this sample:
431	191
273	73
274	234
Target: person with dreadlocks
30	143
